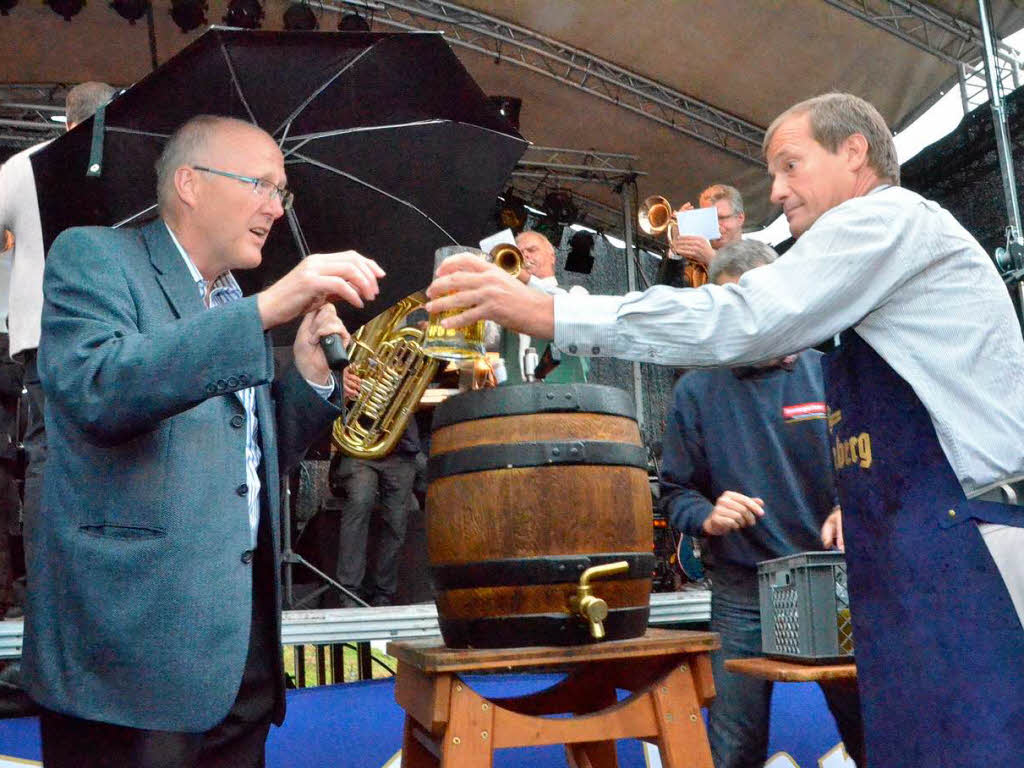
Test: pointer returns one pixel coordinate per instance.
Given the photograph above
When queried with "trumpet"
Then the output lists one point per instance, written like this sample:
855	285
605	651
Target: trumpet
508	257
656	217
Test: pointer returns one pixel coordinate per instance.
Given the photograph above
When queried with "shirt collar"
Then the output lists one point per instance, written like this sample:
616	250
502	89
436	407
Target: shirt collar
549	281
224	283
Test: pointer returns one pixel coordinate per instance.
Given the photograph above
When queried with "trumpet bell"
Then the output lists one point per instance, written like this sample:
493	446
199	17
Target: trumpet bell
655	215
508	257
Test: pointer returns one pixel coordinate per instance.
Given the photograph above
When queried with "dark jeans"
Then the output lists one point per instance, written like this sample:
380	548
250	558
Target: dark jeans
359	484
35	436
739	716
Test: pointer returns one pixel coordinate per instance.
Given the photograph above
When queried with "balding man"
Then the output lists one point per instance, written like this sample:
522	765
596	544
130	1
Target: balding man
926	408
539	272
152	635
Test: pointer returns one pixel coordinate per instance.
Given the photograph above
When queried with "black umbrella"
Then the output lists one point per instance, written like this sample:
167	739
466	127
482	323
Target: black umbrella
389	144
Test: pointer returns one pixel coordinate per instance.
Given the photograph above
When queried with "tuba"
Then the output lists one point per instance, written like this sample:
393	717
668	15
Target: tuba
655	217
387	356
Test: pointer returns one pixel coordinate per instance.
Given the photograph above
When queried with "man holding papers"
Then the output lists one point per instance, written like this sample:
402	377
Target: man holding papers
700	235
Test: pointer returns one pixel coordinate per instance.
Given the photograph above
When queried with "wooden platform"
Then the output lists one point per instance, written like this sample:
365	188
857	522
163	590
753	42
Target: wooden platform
668	674
792	672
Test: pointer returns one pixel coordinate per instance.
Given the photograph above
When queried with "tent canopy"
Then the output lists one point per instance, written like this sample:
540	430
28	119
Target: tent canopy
748	59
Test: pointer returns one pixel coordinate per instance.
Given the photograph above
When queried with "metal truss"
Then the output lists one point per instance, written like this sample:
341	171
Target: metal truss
468	28
946	37
25	112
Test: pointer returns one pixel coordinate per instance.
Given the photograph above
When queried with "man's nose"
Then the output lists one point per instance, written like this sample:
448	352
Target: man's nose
779	190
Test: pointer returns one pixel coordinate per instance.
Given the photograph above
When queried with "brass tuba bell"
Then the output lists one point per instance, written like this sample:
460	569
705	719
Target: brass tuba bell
388	357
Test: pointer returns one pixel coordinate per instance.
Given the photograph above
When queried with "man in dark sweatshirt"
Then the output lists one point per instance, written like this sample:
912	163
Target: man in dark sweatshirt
746	464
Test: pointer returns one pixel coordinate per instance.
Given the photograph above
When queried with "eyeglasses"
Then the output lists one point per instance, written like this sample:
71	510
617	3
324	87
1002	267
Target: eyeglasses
265	189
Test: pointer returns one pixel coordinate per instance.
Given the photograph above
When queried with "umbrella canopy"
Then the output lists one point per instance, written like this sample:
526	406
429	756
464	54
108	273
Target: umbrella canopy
390	147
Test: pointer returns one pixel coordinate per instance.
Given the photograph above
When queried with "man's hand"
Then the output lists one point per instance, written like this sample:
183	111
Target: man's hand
694	248
832	530
350	384
309	357
487	292
316	280
733	511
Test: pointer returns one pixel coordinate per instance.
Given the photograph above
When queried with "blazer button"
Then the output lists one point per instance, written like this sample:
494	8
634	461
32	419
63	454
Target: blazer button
232	382
221	384
237	420
242	490
211	388
572	349
247	556
243	379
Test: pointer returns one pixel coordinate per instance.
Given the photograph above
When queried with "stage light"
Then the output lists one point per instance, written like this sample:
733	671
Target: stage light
6	5
508	107
188	14
559	206
65	8
132	10
244	14
511	211
300	17
579	258
353	22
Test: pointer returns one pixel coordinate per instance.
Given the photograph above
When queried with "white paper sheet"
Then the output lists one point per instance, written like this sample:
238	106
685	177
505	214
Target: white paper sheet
702	222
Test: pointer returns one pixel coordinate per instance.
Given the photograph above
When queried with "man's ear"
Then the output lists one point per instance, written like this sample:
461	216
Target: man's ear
741	217
185	182
855	148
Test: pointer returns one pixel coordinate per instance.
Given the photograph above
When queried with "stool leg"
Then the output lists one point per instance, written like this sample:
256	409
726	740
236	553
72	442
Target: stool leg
682	738
594	754
414	753
469	737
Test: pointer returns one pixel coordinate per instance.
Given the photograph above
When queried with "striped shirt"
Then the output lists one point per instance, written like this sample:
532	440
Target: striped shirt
896	268
224	290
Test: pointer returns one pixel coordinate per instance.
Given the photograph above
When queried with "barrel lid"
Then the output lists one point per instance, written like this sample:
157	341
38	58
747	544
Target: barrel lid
519	399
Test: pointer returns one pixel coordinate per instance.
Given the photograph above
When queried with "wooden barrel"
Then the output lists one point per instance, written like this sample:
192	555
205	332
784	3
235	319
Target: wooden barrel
528	486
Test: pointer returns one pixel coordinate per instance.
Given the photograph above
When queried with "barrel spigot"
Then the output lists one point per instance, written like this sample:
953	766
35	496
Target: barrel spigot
593	609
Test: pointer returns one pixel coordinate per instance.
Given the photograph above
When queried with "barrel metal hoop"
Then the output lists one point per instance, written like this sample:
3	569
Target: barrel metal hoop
538	454
541	629
522	399
526	571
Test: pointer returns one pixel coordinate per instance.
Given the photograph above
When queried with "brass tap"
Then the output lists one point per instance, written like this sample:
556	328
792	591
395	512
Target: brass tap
593	609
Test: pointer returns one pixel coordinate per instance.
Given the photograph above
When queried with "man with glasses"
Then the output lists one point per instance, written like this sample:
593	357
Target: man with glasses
152	635
729	203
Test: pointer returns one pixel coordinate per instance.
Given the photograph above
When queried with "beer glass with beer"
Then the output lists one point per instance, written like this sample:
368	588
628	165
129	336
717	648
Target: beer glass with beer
464	343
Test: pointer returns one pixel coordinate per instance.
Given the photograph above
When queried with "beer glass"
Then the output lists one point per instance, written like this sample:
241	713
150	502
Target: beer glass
464	343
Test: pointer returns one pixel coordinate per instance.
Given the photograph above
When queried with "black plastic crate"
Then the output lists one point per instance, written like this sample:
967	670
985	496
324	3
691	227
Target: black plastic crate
805	608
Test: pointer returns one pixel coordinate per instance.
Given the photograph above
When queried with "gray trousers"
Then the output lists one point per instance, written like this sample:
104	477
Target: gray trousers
363	486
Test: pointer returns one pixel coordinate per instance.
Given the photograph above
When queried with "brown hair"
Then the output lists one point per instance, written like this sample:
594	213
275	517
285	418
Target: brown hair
834	118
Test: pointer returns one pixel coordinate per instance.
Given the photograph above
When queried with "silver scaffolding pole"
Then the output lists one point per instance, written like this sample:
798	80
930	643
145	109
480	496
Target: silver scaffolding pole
1000	126
628	218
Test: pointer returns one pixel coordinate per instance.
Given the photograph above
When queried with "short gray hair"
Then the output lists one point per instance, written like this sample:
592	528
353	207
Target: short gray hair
84	99
834	118
734	259
185	147
717	192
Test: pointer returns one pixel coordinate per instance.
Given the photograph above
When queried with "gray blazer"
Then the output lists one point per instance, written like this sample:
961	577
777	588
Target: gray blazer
140	589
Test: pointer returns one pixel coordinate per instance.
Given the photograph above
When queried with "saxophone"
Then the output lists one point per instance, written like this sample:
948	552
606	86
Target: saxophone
388	357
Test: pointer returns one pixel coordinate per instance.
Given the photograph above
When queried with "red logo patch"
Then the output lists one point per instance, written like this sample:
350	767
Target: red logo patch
803	411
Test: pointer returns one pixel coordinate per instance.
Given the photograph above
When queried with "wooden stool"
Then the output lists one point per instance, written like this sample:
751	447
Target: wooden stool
668	673
793	671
